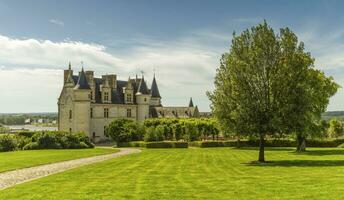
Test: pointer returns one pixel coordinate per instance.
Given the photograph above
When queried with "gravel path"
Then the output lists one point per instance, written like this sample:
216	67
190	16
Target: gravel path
11	178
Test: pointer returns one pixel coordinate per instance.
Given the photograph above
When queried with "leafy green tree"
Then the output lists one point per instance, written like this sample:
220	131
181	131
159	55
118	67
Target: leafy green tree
336	128
264	85
124	130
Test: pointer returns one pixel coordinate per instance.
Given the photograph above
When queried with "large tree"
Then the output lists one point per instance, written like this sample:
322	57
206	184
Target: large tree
264	85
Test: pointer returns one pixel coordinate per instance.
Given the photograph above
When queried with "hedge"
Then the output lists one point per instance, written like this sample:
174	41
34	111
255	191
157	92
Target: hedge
132	144
164	144
268	143
44	140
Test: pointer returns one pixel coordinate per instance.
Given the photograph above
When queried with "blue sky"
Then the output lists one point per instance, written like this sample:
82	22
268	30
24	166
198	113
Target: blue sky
181	40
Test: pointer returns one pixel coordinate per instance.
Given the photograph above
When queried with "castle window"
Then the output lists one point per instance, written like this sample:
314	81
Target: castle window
91	95
128	112
145	99
106	96
70	114
91	113
106	112
129	97
70	130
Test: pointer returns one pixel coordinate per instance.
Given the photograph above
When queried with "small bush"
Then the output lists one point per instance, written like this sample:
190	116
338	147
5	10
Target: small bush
7	142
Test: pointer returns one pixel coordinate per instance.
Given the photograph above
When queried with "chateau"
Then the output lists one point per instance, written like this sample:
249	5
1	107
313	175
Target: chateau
88	104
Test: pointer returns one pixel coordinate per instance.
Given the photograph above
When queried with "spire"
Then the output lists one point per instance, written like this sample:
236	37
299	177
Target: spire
129	84
155	89
70	66
191	103
142	87
69	80
82	81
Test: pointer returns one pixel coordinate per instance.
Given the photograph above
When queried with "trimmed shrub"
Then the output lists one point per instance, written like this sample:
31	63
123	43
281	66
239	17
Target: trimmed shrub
167	144
159	145
132	144
7	142
181	145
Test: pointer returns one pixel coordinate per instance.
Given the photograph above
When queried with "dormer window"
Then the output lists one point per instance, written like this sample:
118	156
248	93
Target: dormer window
106	96
129	98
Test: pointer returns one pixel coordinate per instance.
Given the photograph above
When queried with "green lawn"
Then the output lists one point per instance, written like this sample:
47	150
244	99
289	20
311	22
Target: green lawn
213	173
21	159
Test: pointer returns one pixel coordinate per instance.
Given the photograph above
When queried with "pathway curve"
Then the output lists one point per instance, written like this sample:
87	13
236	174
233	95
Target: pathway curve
11	178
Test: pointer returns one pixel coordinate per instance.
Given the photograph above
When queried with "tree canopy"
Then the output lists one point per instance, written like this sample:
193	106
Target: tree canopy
267	84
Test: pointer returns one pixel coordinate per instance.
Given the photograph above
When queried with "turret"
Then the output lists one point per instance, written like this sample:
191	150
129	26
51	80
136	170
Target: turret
142	99
155	94
191	102
67	72
128	91
82	103
69	82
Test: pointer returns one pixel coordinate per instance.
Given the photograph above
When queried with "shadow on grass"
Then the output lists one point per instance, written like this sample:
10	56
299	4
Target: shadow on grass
299	163
321	152
266	148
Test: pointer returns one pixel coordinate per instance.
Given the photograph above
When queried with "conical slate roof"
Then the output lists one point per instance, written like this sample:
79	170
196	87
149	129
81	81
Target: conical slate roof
142	87
191	103
82	81
154	89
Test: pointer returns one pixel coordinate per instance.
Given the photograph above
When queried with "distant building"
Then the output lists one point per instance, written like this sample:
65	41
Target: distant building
27	121
88	104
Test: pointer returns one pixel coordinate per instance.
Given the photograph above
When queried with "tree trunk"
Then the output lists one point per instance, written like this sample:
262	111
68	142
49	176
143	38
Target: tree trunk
301	144
261	157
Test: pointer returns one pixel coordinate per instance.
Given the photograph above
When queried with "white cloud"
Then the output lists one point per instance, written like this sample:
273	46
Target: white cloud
29	90
56	22
48	54
182	69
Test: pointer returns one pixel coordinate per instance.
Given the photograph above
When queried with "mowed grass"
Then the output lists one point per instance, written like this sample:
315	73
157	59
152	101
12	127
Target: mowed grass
213	173
21	159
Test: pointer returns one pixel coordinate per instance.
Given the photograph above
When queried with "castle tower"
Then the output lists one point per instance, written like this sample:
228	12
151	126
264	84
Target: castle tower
65	101
155	94
81	110
142	99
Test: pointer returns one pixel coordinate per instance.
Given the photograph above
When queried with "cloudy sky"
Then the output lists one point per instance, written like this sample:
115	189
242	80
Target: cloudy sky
181	40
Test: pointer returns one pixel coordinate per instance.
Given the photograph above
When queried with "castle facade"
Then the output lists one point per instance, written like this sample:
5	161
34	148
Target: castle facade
88	104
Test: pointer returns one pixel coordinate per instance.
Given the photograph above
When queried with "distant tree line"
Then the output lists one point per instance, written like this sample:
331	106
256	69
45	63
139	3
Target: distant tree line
19	119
